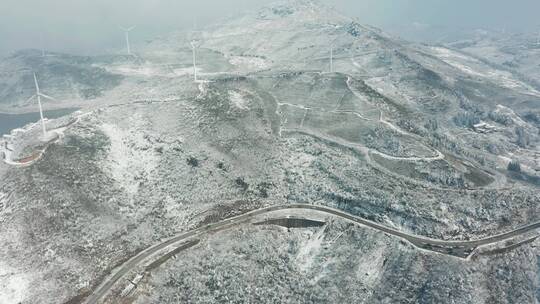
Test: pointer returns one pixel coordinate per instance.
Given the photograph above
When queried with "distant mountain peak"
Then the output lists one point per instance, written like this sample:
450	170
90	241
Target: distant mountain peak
297	4
301	8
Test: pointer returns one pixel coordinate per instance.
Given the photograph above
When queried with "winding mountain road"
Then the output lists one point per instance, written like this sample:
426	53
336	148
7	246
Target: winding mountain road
419	241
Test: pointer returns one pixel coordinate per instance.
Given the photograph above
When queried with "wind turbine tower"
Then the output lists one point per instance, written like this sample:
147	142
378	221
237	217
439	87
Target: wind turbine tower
38	95
126	32
331	59
42	46
194	48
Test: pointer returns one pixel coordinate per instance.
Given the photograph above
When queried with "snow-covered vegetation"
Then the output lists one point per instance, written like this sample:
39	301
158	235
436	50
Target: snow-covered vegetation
423	139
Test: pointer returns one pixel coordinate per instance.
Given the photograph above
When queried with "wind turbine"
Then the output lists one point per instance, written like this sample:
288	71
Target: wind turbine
194	47
43	51
331	59
39	95
42	46
126	32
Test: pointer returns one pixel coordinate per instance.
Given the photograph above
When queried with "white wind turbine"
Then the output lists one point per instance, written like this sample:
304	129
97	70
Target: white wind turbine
194	46
44	53
39	95
126	32
42	46
331	59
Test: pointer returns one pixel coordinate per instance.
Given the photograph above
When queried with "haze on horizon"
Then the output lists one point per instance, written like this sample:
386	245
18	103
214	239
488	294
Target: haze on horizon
91	26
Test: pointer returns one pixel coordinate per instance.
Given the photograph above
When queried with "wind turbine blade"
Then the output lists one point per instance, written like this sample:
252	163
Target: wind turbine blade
195	44
127	29
32	97
46	96
37	86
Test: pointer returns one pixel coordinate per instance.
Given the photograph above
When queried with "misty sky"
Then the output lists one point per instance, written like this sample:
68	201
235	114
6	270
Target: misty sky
91	26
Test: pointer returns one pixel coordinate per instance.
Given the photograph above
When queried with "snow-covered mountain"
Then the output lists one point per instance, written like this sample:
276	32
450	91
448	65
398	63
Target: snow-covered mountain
293	103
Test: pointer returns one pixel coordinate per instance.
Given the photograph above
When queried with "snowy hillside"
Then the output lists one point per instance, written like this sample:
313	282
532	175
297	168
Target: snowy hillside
291	104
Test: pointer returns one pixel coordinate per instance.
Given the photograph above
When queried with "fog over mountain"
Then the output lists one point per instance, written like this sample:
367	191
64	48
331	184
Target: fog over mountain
88	26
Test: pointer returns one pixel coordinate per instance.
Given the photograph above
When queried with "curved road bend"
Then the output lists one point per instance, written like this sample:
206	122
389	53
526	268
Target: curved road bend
100	292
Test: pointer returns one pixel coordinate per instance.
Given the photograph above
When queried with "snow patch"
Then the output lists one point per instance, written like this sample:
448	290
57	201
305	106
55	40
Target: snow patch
149	71
238	99
465	68
309	250
509	112
250	63
503	78
131	157
447	53
186	71
298	161
145	71
14	285
369	267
